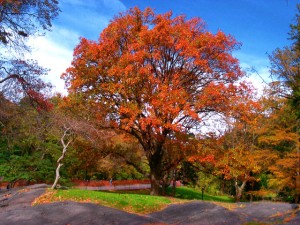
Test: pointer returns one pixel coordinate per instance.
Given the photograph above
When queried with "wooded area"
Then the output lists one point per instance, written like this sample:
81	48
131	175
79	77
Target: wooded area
138	100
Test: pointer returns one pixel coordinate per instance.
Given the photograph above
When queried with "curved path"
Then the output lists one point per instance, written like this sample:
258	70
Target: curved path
15	208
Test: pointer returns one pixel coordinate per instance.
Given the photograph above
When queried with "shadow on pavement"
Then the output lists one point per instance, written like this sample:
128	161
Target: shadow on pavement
16	209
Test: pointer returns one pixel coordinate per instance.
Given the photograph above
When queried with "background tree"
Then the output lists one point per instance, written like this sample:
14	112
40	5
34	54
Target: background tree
177	149
19	78
126	155
118	156
285	66
280	139
30	141
153	75
236	156
69	127
20	20
28	144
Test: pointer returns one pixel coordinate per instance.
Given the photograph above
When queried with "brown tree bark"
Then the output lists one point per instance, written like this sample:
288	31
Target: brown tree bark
156	172
239	190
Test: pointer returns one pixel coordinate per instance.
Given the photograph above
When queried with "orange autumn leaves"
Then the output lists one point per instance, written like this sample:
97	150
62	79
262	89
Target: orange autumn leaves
155	71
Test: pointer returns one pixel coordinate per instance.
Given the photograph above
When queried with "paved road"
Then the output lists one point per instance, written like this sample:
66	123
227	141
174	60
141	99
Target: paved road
16	209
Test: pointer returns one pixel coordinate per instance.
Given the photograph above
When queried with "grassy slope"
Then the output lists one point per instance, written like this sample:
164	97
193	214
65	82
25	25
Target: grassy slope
193	194
131	202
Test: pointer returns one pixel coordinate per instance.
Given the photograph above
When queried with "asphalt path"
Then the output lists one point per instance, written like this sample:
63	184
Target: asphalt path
16	209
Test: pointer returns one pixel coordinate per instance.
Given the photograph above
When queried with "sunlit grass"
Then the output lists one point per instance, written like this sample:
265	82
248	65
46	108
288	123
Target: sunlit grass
131	201
136	203
193	194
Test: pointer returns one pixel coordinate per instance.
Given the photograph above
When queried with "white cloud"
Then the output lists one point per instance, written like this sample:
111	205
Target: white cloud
54	55
115	5
256	68
259	79
89	19
77	19
66	38
73	2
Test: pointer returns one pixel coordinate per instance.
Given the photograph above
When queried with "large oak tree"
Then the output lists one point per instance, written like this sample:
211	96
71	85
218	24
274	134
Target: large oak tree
154	75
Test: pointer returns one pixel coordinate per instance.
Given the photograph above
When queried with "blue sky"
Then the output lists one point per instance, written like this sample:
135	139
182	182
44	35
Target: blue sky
260	25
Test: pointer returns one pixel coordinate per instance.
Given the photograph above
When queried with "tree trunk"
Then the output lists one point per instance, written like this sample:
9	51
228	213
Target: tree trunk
155	172
174	183
65	145
57	176
239	190
155	181
164	182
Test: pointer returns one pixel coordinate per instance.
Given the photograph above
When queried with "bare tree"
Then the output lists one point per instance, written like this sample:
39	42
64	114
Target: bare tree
66	139
75	128
20	20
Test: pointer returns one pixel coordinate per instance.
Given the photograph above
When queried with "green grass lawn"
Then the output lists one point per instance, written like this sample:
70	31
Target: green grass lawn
133	201
187	193
193	194
137	203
